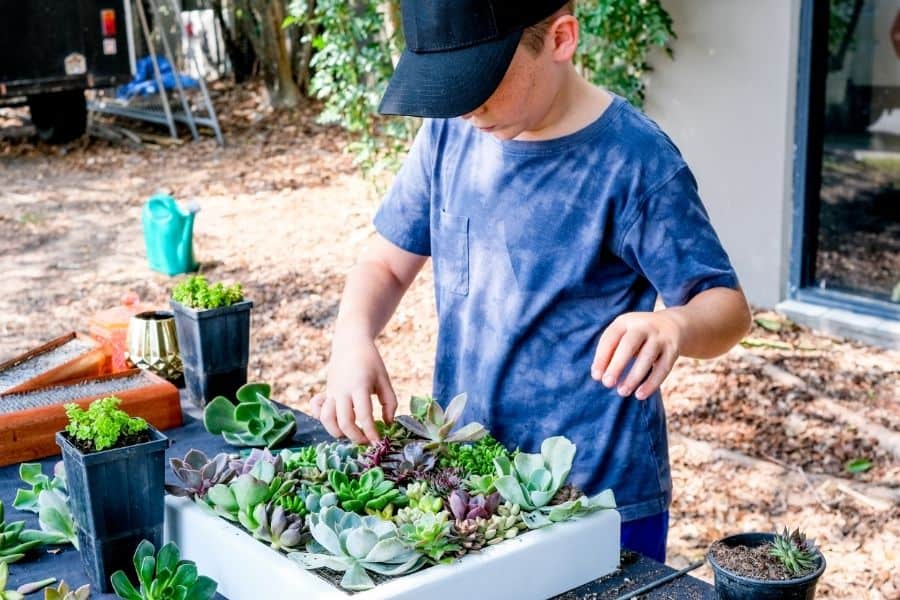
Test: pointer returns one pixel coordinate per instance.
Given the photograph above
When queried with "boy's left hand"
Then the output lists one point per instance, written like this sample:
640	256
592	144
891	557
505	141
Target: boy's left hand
652	339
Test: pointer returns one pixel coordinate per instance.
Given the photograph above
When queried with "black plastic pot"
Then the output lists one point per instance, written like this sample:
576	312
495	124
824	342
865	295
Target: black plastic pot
215	349
116	498
730	586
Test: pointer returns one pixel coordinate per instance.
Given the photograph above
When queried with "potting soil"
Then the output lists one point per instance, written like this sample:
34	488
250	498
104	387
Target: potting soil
756	562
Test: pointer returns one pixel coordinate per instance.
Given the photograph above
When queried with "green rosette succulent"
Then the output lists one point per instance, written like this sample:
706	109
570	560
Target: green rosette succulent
62	592
163	576
481	484
436	426
337	456
253	421
33	475
371	492
354	545
430	534
584	505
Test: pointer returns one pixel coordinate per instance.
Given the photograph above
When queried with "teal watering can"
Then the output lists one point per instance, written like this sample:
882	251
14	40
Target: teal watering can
168	233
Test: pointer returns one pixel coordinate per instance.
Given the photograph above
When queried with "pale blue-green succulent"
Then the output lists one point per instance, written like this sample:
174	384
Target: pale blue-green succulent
253	421
354	545
531	480
238	500
584	505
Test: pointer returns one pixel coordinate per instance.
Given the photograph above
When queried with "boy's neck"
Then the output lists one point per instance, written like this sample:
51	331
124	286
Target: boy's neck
576	105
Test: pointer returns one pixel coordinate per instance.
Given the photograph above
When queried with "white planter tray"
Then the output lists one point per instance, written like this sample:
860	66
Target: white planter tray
537	564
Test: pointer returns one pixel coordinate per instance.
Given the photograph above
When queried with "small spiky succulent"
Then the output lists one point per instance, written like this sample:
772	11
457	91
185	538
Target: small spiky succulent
307	499
299	458
435	425
795	551
198	473
377	453
444	482
412	463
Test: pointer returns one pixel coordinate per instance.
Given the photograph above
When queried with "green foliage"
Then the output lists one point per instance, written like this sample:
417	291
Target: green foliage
163	576
531	480
102	424
858	465
254	421
616	38
436	426
796	553
196	292
351	69
477	458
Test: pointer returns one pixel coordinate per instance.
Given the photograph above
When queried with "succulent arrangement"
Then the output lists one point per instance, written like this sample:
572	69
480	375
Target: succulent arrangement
102	425
162	576
430	491
795	551
253	421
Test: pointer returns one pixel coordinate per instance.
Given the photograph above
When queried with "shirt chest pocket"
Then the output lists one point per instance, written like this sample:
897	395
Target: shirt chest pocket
450	253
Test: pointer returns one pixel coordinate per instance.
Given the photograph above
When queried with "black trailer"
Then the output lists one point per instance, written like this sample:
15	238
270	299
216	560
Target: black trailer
53	50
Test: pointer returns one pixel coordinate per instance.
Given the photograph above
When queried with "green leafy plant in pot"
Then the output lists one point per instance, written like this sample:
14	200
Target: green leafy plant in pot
213	325
115	475
766	566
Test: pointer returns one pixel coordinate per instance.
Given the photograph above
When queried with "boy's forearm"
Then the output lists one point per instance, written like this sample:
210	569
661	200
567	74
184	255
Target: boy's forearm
712	322
371	295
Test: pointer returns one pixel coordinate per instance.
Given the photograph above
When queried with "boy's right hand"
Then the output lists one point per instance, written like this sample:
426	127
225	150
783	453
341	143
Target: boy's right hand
355	372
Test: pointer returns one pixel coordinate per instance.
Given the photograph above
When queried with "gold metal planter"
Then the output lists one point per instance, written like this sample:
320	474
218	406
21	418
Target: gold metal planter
152	344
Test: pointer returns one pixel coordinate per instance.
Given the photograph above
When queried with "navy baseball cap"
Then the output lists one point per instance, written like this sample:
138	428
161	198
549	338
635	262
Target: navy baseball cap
457	52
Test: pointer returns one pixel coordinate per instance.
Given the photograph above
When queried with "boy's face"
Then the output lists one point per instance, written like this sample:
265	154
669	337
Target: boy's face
533	81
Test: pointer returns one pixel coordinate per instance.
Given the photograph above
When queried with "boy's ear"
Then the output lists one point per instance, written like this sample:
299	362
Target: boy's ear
563	38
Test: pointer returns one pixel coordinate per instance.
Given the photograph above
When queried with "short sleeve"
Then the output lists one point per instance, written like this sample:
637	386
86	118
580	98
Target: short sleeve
404	215
672	243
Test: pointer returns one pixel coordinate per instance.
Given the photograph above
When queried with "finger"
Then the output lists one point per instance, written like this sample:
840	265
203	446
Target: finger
605	348
641	366
362	406
660	371
329	418
387	398
346	420
315	405
627	347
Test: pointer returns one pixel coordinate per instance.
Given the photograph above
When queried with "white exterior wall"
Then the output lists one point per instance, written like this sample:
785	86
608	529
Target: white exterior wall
728	101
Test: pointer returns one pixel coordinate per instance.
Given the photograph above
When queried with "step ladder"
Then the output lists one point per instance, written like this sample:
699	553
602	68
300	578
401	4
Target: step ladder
160	109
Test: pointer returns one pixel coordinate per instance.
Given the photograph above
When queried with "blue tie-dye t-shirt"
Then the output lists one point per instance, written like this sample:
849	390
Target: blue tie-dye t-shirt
537	247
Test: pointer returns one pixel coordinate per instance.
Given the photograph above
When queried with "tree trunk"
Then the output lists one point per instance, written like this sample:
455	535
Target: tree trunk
270	44
304	49
237	44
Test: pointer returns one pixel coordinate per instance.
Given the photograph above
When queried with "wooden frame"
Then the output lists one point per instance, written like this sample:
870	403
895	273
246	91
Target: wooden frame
91	363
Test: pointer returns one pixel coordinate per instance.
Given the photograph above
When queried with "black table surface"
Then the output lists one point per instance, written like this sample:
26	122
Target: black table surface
64	562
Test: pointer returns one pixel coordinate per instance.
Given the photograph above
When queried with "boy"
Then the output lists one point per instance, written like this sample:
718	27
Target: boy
553	212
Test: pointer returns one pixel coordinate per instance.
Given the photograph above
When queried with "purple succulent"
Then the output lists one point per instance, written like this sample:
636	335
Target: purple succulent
198	473
376	453
444	481
466	508
244	466
412	463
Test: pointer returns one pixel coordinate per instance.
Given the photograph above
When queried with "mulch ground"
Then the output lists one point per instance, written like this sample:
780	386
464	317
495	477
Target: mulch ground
755	441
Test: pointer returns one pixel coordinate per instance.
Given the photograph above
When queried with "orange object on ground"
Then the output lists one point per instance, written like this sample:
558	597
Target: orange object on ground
110	328
29	433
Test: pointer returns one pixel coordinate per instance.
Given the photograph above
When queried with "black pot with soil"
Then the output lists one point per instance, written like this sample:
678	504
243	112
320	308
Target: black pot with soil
215	349
116	497
745	569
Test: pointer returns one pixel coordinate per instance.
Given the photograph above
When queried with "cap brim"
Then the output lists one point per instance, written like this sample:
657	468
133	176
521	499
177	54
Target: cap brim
450	83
